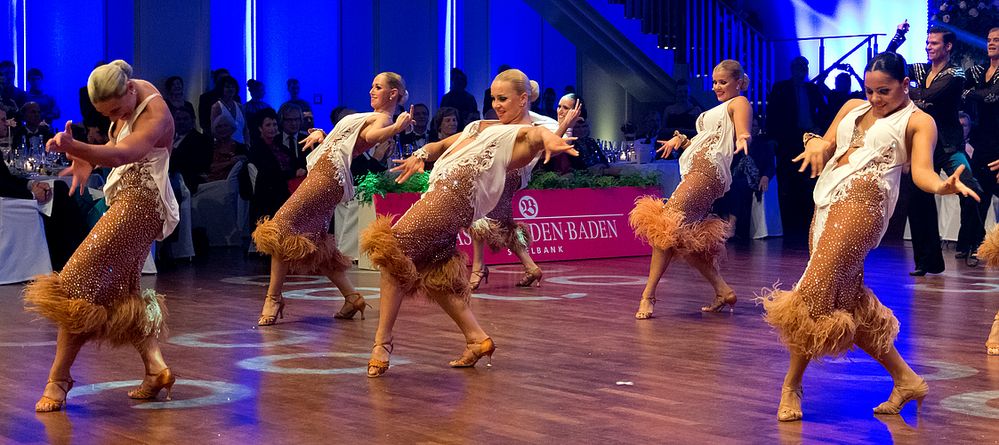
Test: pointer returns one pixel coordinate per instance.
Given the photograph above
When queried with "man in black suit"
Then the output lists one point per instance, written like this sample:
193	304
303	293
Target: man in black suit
290	120
191	157
937	89
795	107
33	132
460	99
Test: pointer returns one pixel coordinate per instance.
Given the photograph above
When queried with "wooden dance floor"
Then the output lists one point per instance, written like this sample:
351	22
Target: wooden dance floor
572	365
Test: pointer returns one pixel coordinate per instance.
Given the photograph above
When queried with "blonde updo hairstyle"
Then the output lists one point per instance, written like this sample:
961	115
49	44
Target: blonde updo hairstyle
396	81
109	81
734	69
521	84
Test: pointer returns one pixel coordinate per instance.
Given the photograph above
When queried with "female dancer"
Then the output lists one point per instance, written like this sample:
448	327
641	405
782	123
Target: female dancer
681	225
96	296
418	254
859	162
989	251
498	229
297	238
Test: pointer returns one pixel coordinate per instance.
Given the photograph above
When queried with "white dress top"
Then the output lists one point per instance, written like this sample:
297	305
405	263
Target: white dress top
882	155
489	154
715	140
157	164
339	147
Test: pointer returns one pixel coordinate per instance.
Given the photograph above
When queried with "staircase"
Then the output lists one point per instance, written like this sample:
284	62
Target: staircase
702	33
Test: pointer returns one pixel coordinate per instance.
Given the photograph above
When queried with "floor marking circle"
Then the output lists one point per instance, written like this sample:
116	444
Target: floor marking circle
944	370
605	280
264	280
307	294
268	363
973	404
194	339
221	393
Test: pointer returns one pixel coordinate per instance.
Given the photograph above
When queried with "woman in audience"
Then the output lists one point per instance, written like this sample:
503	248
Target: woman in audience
297	237
275	165
444	124
226	152
498	229
175	95
682	226
418	255
96	297
229	105
859	164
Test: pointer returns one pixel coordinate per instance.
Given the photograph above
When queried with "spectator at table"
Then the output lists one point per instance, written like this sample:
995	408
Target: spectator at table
445	123
50	110
291	134
419	134
175	97
12	98
275	164
192	151
33	131
206	100
228	103
97	124
590	153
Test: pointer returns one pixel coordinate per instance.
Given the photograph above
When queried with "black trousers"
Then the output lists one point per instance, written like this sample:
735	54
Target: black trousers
923	222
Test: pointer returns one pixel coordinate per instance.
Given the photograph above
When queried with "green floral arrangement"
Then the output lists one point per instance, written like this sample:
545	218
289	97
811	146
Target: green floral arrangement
383	183
970	20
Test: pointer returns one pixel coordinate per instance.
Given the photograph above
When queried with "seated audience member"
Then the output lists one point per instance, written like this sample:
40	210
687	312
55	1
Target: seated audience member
419	134
275	164
12	98
50	110
548	103
228	103
226	152
338	113
590	153
192	151
97	124
445	124
291	134
208	98
34	131
682	114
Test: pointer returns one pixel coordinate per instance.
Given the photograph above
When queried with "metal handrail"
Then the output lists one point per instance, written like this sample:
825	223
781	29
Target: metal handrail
871	40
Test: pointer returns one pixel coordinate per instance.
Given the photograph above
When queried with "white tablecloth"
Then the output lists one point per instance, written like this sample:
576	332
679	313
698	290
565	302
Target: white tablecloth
765	213
23	250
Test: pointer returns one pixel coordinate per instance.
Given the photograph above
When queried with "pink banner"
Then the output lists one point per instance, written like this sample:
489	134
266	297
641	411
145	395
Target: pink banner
569	224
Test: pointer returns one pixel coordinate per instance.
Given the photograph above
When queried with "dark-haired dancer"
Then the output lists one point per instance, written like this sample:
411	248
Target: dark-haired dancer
860	160
681	225
297	237
96	297
939	86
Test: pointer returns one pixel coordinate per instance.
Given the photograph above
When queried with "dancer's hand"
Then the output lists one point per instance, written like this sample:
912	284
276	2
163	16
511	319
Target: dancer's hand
42	191
742	144
667	147
994	165
63	141
408	167
80	171
404	121
815	156
555	145
953	185
313	139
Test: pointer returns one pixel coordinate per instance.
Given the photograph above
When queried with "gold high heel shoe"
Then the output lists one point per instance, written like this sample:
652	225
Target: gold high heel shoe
47	404
473	352
352	306
720	302
532	276
992	344
645	315
147	390
902	395
478	277
270	320
378	367
789	408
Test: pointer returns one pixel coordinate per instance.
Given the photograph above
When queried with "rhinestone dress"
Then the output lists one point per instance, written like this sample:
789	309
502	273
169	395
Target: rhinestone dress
829	309
97	293
298	233
682	222
419	251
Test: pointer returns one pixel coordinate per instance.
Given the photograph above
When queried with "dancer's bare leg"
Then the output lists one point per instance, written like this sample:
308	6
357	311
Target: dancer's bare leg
657	267
709	270
279	270
152	356
67	347
900	371
525	258
461	312
388	308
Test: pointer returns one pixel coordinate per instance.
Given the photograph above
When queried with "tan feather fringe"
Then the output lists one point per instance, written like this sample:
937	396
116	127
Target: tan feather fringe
871	324
989	250
501	235
303	255
129	321
663	228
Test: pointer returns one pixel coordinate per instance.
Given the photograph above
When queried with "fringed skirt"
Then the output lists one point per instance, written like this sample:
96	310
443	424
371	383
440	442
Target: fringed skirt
989	250
298	233
420	251
682	223
498	229
829	310
97	294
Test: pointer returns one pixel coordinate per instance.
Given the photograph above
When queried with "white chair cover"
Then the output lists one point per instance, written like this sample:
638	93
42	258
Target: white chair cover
218	208
23	249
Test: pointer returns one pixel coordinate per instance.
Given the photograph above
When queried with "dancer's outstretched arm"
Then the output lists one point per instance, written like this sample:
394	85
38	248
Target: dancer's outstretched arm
150	127
428	153
531	141
742	116
921	134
